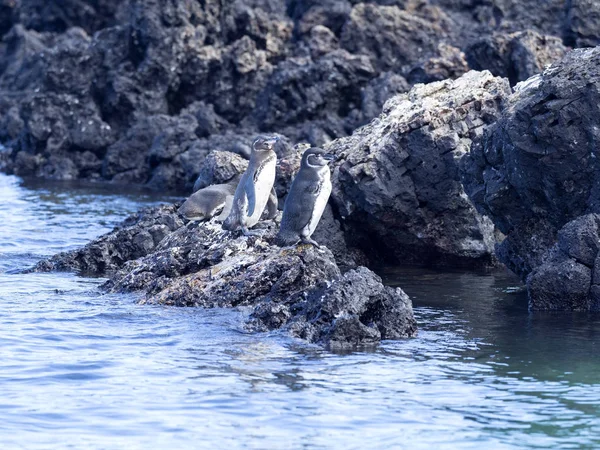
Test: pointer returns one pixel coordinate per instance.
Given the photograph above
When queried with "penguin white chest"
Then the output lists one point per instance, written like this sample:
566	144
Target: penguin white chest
320	201
263	184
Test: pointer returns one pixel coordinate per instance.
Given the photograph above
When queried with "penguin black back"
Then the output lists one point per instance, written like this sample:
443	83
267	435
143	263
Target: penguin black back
306	200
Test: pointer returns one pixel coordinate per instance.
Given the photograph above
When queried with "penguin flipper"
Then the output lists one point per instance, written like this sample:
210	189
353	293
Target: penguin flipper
272	204
302	213
251	195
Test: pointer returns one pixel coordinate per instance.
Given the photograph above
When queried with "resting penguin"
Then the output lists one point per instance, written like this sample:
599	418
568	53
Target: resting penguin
306	200
206	203
255	189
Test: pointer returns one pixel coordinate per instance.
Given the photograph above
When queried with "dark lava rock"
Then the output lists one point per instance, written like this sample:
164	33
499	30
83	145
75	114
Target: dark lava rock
136	236
378	91
537	169
396	181
569	276
394	38
114	83
58	16
303	90
516	56
203	265
449	62
353	310
583	23
219	167
559	285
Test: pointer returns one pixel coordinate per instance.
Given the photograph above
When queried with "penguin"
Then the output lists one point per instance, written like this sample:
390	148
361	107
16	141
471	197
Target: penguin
306	200
206	203
255	189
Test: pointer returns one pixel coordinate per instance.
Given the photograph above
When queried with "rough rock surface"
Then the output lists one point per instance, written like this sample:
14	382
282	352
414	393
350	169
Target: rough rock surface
355	309
141	91
219	167
299	288
516	56
569	276
135	237
583	23
396	181
537	170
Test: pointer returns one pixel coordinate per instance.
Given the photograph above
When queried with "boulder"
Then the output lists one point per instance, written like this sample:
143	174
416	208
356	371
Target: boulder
583	23
395	39
568	278
325	91
396	181
536	171
516	56
58	16
353	310
219	167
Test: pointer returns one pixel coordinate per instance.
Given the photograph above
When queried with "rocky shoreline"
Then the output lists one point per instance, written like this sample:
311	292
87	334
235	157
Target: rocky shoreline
464	132
300	289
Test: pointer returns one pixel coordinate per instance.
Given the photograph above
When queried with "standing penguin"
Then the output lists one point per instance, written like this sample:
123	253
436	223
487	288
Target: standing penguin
255	188
306	200
206	203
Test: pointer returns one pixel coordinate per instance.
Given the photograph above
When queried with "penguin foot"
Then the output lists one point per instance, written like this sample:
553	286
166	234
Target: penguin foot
248	232
307	240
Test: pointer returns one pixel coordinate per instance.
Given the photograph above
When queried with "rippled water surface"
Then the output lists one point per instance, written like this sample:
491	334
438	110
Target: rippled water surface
83	370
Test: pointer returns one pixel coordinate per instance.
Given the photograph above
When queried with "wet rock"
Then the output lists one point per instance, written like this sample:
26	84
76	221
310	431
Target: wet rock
397	184
537	169
527	247
354	310
207	266
135	237
559	285
516	56
568	277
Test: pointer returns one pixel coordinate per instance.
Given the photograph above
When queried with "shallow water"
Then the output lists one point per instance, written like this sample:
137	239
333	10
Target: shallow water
83	370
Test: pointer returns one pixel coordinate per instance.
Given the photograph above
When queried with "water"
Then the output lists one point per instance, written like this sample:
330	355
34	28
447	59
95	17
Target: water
83	370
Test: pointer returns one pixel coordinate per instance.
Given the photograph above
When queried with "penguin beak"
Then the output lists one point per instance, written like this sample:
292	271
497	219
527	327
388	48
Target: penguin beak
328	156
271	142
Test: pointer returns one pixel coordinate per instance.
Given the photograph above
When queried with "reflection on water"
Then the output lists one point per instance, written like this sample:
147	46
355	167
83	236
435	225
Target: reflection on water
85	370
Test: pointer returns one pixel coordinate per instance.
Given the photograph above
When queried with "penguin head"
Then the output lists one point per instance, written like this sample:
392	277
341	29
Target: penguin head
316	158
264	143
